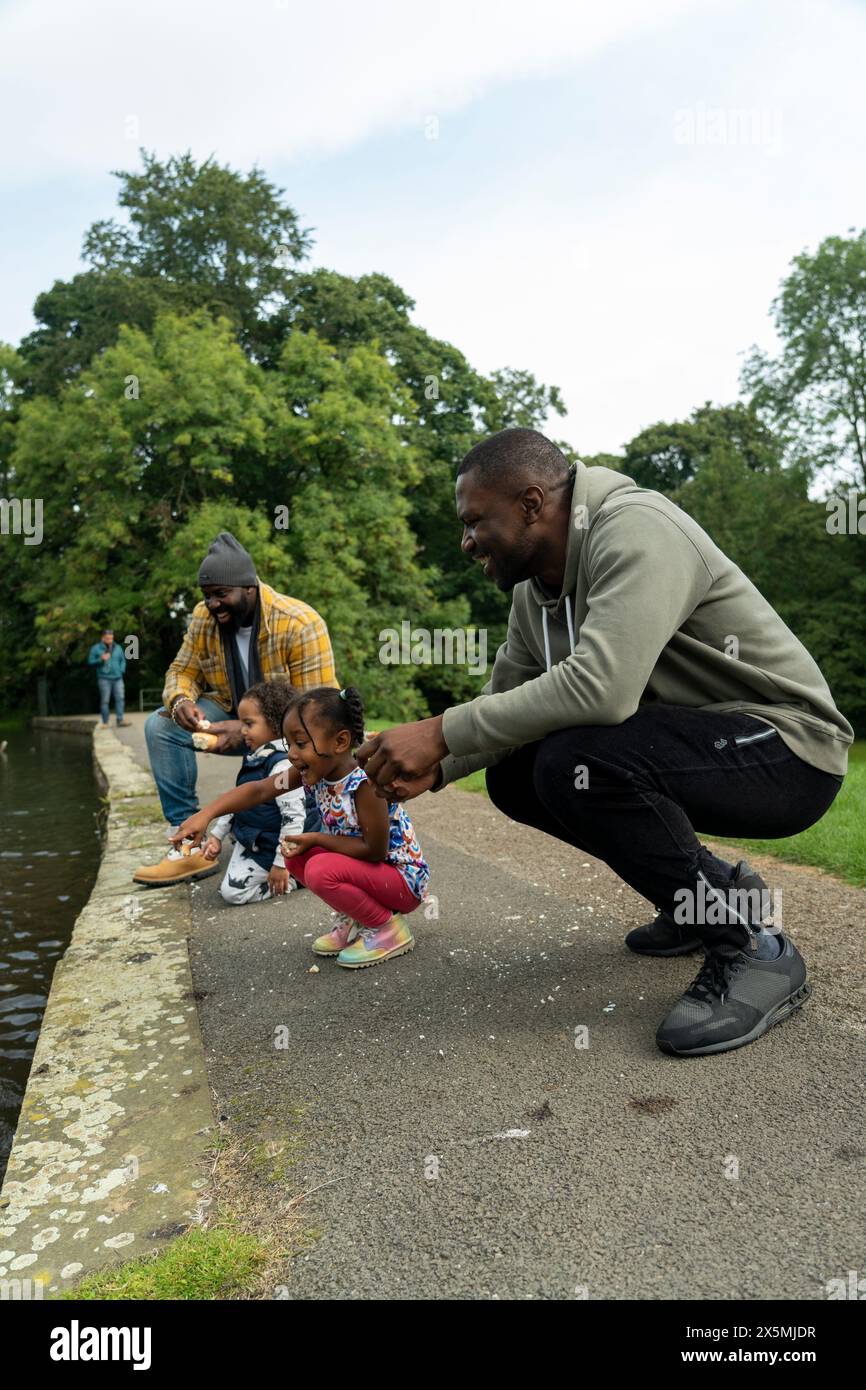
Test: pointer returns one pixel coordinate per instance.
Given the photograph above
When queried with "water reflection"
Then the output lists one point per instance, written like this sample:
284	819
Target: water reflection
48	861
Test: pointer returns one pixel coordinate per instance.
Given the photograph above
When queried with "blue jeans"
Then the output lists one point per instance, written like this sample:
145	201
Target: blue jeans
174	767
106	687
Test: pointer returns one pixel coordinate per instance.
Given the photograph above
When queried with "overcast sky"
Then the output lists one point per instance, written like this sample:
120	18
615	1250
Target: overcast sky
607	195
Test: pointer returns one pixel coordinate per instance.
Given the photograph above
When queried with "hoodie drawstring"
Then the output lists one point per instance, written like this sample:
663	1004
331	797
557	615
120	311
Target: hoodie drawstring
569	620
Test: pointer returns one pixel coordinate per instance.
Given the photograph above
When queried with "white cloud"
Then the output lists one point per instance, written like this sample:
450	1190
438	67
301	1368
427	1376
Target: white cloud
638	290
631	308
84	82
629	269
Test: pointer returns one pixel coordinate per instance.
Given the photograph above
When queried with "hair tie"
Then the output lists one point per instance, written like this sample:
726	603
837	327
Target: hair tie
342	695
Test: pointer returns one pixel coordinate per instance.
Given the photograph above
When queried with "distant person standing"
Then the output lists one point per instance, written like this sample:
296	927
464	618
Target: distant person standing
110	665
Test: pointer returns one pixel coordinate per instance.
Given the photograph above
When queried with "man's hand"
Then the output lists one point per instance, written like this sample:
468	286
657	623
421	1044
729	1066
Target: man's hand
192	829
104	655
404	755
278	880
228	732
187	715
404	788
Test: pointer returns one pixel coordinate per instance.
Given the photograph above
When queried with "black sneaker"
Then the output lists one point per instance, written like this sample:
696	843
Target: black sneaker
662	937
734	1000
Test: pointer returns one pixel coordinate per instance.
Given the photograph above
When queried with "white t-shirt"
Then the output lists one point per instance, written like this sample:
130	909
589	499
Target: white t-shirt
242	637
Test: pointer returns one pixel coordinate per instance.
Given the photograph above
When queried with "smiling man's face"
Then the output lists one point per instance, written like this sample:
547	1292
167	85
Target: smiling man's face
230	606
497	531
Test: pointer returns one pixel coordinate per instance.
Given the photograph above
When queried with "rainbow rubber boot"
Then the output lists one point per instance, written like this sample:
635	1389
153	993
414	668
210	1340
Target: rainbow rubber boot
375	944
342	932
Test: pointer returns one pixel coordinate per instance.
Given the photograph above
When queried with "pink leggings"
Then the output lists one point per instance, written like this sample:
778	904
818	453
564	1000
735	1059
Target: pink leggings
368	893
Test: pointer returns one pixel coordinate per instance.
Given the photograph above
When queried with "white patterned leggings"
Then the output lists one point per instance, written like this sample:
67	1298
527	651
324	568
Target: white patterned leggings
245	881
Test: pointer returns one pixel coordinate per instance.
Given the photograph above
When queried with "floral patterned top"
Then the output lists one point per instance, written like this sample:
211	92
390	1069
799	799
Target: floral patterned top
336	803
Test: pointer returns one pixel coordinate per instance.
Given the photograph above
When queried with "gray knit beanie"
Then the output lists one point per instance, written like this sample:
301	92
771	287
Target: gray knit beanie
227	563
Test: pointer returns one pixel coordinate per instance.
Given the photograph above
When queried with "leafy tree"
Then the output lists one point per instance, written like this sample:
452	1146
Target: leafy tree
665	456
766	522
813	394
452	407
198	236
612	461
814	391
167	439
193	372
154	426
10	399
78	318
16	615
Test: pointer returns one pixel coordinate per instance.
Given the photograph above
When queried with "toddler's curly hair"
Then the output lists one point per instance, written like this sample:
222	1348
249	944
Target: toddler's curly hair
273	699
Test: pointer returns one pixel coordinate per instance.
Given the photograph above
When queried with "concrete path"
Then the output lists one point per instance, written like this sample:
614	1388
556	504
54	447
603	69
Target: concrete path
455	1138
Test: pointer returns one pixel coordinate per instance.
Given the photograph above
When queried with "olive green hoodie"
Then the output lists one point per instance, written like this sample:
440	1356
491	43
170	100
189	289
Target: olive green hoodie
650	610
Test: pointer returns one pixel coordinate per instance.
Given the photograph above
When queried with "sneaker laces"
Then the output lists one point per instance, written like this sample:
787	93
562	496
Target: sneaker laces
714	977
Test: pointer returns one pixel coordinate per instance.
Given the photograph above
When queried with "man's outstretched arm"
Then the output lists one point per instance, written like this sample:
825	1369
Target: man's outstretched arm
514	664
646	577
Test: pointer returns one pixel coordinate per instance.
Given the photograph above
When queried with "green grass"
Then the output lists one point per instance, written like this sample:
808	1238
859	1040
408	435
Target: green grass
475	782
837	843
199	1265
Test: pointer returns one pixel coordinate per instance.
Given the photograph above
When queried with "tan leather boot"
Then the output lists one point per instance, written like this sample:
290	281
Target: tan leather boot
175	868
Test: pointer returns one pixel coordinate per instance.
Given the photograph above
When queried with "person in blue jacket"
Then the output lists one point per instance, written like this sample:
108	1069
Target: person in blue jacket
110	665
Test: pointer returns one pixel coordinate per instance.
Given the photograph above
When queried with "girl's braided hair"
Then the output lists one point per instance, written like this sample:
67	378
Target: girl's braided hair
342	709
273	699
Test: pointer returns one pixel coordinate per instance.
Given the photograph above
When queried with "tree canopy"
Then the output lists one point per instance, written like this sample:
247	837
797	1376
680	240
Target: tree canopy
198	376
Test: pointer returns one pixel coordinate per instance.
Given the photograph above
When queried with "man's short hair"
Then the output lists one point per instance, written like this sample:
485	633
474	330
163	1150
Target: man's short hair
106	631
512	454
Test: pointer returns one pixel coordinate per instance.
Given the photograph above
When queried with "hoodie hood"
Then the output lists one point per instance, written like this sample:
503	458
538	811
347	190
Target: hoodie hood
591	489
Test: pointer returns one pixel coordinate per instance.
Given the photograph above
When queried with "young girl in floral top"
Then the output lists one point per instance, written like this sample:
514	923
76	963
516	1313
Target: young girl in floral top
367	864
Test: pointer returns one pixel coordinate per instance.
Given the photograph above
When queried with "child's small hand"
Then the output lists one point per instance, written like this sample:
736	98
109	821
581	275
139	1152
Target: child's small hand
278	881
212	847
296	844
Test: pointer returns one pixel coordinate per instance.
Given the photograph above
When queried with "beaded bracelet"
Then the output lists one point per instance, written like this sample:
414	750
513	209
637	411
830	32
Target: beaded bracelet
181	700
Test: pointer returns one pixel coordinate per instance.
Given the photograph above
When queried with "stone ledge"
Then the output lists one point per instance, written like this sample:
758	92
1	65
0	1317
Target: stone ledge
106	1163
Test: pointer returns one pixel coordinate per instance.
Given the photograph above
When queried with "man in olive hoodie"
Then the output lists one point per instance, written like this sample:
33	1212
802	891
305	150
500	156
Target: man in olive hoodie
645	688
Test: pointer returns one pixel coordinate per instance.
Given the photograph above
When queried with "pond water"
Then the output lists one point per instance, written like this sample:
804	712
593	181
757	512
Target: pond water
50	845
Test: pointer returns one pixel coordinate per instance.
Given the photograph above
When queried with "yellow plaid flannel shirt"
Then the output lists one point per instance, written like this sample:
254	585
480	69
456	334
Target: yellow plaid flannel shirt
293	643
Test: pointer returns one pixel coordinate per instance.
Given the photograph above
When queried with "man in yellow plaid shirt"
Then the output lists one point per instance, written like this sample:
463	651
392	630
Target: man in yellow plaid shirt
242	632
